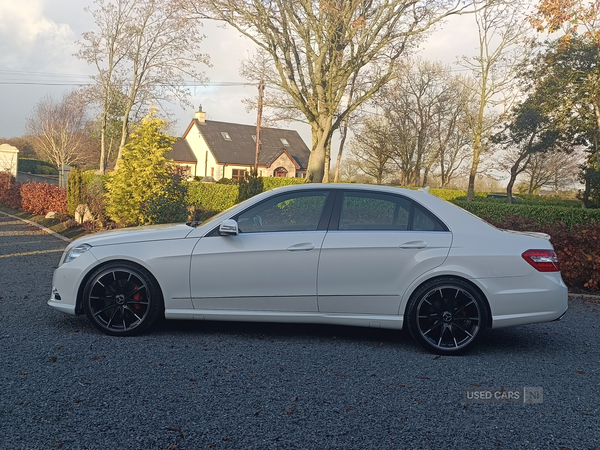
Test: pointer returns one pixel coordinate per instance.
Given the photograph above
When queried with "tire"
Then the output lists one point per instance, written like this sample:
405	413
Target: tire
446	316
122	299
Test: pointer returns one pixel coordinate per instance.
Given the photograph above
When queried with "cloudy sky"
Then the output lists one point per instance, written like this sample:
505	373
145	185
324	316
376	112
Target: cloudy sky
38	41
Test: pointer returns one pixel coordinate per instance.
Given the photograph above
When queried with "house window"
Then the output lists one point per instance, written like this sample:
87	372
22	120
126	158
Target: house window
238	174
212	172
280	172
225	135
284	142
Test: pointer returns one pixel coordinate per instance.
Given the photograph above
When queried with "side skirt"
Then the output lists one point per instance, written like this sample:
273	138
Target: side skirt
370	321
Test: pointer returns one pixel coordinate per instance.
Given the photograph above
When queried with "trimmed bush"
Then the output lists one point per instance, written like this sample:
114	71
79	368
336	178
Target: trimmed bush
37	166
250	186
10	191
212	197
275	182
76	190
577	248
499	211
41	198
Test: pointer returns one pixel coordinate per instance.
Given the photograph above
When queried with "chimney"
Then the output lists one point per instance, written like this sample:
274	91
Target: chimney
200	115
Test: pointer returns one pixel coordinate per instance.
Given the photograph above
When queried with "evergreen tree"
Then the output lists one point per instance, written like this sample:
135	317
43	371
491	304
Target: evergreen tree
145	188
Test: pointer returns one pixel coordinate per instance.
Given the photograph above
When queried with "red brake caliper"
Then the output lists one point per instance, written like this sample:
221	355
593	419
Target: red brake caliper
137	297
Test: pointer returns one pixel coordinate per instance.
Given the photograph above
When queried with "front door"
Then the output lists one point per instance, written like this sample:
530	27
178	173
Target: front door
271	265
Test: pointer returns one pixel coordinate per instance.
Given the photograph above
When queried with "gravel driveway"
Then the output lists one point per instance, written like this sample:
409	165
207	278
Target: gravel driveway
194	385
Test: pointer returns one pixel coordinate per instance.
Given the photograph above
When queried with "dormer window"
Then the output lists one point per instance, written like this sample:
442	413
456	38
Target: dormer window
225	135
284	142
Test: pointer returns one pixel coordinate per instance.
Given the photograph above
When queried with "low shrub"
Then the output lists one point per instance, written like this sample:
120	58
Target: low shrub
10	191
41	198
577	248
250	186
76	190
211	197
275	182
499	211
37	166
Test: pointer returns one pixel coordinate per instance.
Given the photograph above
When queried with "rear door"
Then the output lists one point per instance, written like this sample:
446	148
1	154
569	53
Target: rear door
377	245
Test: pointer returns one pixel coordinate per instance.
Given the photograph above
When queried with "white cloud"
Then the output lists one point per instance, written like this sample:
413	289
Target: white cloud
29	40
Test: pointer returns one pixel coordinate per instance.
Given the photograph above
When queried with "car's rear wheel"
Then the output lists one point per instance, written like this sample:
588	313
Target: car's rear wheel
122	299
446	316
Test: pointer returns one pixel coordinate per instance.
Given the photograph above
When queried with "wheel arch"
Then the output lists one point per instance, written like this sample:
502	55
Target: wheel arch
415	287
79	302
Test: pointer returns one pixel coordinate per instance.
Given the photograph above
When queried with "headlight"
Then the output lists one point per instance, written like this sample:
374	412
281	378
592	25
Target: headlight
76	251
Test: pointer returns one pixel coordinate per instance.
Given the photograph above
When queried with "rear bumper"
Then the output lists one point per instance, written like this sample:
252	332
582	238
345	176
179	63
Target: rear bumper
537	297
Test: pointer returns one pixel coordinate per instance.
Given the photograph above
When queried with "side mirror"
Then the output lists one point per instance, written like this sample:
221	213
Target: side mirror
228	227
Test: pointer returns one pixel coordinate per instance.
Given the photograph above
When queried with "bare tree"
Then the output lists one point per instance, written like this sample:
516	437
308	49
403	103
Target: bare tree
425	107
372	149
57	129
316	47
142	51
555	170
502	33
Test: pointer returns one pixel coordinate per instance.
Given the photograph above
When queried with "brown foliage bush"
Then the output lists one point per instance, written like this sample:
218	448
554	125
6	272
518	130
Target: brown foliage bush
41	198
578	249
10	191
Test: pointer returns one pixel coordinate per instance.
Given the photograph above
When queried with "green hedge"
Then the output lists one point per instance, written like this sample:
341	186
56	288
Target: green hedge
216	197
274	182
211	197
497	212
36	166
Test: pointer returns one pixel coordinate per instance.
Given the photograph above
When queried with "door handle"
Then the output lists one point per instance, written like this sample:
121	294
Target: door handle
414	245
304	247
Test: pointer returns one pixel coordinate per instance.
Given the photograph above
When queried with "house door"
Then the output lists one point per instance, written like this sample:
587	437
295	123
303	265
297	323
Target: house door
280	172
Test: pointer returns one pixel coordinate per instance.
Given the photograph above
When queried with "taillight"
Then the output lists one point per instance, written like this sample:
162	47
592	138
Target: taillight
542	260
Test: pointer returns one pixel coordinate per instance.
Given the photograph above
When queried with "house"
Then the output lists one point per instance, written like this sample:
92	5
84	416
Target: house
227	150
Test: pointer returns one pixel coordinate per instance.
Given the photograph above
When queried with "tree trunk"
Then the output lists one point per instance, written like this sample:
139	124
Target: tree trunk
344	133
102	168
477	138
321	139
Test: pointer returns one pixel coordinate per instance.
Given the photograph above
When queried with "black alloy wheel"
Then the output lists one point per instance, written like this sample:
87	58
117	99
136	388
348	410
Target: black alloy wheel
122	299
446	316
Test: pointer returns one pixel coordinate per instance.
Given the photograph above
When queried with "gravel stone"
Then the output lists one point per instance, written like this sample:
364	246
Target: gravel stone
194	385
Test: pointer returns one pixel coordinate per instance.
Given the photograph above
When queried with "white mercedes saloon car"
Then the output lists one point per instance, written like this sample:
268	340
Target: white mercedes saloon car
345	254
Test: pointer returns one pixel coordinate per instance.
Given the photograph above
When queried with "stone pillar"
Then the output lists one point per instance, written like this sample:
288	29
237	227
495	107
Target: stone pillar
9	159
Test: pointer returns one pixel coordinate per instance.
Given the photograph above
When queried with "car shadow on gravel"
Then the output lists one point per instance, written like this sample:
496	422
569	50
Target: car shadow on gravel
285	332
526	339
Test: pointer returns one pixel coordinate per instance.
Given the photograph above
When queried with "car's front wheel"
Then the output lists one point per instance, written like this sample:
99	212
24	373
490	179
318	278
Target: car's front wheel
122	299
446	316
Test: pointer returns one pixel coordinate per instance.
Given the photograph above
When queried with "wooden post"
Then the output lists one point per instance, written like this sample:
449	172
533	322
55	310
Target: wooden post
261	89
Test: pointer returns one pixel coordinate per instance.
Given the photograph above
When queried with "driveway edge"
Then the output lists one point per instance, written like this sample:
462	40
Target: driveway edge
47	230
